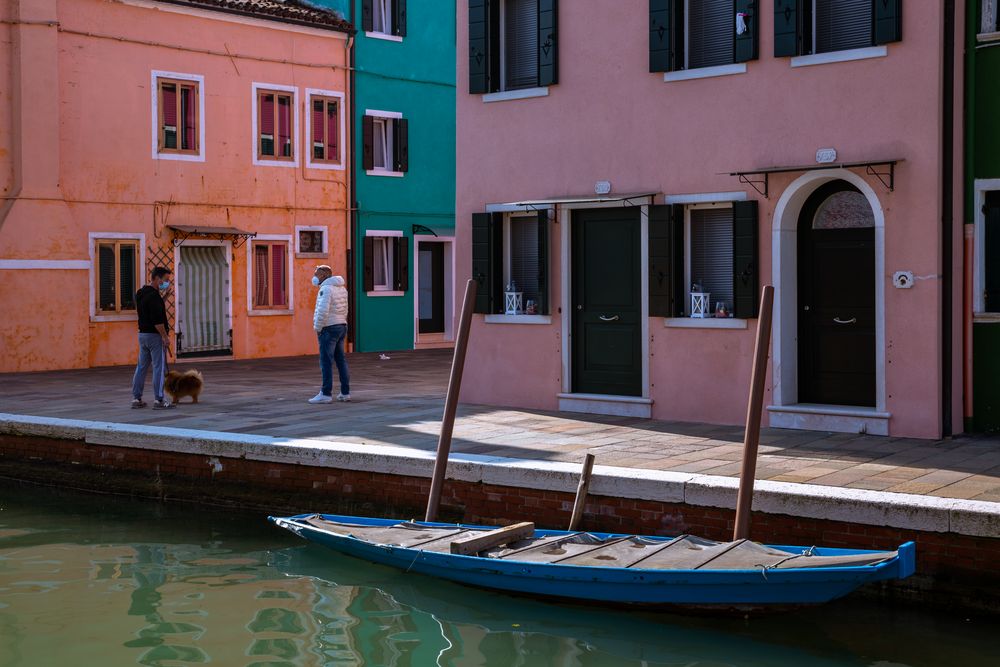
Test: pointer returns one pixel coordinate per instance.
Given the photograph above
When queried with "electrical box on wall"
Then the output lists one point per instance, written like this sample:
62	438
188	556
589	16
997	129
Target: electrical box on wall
902	279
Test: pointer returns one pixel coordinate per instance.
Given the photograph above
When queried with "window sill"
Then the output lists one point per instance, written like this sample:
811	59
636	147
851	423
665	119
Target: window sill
518	319
386	293
521	94
385	172
840	56
986	318
268	313
325	166
182	157
706	323
705	72
264	162
382	35
988	37
126	317
312	255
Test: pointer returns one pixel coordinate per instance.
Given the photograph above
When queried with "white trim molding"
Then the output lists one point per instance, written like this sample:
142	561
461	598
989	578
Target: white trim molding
837	418
449	284
155	93
982	186
340	165
45	264
705	72
378	113
384	172
289	254
706	323
255	112
606	404
520	94
92	276
383	36
706	197
518	319
312	228
840	56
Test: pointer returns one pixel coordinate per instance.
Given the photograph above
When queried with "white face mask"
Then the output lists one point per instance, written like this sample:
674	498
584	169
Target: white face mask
315	281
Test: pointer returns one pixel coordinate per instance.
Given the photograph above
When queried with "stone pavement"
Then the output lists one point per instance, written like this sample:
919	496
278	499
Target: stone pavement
399	402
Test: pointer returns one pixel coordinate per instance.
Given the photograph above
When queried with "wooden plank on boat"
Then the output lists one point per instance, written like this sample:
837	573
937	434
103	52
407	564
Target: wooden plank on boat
473	545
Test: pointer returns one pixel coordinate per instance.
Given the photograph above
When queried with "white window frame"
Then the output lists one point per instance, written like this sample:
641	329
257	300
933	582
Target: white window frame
386	288
254	138
687	259
154	77
340	165
988	30
387	143
508	247
92	238
388	28
982	186
845	55
312	228
289	245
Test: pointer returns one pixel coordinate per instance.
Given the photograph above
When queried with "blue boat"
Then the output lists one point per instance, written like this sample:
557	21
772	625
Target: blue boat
608	568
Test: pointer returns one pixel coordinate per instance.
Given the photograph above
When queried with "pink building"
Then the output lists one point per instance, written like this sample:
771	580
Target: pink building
631	174
201	135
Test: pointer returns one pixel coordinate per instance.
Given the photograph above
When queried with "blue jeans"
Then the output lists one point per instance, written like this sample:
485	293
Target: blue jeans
331	350
151	352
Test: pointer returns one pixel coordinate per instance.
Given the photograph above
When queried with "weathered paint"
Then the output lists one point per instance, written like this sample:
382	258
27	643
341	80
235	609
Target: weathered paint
96	173
608	118
415	77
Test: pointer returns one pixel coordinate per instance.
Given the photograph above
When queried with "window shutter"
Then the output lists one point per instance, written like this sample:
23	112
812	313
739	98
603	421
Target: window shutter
745	45
400	144
745	264
479	60
106	277
666	35
787	20
487	261
278	281
369	264
169	97
401	264
399	17
548	42
991	252
126	271
367	22
367	142
267	114
843	24
318	148
188	98
666	261
888	21
543	262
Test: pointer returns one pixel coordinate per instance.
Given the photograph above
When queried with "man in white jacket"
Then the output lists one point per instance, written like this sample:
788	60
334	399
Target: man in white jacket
330	323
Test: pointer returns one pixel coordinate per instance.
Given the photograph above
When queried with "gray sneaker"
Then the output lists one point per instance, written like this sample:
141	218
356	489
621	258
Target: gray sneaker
344	398
138	403
163	405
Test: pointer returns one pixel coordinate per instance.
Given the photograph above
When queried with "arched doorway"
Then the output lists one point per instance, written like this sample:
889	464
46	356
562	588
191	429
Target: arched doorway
836	309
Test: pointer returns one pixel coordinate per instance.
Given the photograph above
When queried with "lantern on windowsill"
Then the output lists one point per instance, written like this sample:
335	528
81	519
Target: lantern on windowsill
513	301
699	305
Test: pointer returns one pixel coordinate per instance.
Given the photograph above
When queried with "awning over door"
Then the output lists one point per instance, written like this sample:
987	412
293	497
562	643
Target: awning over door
184	232
629	199
883	170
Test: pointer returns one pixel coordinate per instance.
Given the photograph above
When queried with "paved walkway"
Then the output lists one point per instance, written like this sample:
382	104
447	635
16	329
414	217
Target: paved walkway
399	402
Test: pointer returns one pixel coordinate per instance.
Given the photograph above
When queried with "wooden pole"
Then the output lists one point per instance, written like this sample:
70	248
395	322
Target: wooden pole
755	407
451	402
581	492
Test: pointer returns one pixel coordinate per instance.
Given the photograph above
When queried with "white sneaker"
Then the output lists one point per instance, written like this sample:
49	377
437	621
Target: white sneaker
321	398
344	398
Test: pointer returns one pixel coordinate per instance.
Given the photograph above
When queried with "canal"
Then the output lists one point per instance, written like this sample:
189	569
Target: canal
104	580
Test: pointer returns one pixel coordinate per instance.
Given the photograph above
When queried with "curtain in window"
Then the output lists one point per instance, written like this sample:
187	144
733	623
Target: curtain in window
711	32
380	153
520	44
260	275
126	258
267	124
380	16
203	319
988	22
187	109
524	255
285	125
106	276
278	276
843	24
380	262
332	130
317	130
712	253
169	104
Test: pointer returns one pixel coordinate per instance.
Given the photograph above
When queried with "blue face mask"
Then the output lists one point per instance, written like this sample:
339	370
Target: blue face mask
315	281
165	284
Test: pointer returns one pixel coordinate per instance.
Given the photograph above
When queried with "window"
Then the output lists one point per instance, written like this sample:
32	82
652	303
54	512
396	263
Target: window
386	263
512	45
178	116
324	128
275	125
522	260
804	27
988	20
310	241
511	247
117	271
270	275
385	143
694	34
384	17
710	259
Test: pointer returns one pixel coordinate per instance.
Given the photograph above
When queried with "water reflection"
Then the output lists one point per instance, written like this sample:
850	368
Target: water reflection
93	581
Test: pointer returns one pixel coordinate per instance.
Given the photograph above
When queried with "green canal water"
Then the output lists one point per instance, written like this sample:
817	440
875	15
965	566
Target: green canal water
102	580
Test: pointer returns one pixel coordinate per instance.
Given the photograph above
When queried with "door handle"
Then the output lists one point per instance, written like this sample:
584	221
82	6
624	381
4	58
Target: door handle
840	321
609	319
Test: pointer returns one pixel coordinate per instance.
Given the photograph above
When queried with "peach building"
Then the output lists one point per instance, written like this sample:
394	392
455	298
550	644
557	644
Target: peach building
631	174
206	136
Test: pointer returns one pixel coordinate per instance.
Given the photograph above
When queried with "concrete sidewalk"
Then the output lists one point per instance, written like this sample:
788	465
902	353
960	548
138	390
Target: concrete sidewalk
398	403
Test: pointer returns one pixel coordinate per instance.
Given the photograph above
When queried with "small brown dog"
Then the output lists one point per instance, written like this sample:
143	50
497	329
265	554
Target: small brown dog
179	385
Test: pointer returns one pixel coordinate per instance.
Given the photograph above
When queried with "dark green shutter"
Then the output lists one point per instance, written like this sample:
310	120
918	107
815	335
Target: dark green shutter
487	261
888	18
543	262
368	268
746	267
991	252
400	144
745	45
479	55
367	142
366	16
401	264
786	28
399	18
659	35
666	261
548	42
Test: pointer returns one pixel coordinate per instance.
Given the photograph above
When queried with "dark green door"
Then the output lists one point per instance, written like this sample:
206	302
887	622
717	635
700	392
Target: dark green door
606	302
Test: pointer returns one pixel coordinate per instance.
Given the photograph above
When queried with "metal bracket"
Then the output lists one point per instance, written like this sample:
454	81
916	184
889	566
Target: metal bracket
880	175
755	184
421	229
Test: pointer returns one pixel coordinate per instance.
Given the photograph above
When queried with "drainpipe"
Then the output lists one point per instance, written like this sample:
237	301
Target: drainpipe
947	215
969	217
352	195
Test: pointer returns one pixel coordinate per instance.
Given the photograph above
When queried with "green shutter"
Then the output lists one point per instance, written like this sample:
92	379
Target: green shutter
745	45
479	53
487	261
401	264
368	268
666	261
399	18
659	35
367	142
400	144
888	18
786	28
548	42
366	16
543	262
746	267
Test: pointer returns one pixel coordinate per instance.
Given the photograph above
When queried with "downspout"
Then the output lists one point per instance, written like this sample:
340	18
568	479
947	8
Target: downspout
969	217
947	215
352	195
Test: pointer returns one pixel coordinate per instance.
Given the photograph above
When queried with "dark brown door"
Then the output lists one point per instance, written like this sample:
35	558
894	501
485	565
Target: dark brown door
430	304
836	301
606	302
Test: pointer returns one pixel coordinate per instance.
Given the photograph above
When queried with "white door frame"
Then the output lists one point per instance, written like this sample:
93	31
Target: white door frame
227	249
449	283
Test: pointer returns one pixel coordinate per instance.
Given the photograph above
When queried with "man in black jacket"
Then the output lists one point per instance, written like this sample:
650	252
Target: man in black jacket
154	340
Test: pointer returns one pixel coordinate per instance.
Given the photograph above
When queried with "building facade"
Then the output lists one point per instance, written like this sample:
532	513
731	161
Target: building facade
208	137
628	181
404	117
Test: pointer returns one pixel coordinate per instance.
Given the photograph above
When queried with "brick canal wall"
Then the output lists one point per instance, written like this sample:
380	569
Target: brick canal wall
953	569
